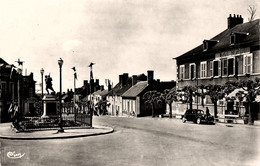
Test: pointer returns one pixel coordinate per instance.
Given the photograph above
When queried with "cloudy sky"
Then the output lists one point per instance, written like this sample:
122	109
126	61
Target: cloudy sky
120	36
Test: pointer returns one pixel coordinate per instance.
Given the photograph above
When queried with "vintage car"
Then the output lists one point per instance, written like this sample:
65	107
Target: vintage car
197	116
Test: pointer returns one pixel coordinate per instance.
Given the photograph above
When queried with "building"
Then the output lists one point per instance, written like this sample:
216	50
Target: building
233	54
18	89
114	96
133	102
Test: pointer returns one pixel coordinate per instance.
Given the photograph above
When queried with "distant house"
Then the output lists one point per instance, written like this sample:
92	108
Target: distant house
114	96
233	54
133	102
101	105
18	89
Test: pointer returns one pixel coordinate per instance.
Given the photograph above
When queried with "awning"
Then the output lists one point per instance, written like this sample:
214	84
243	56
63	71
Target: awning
233	94
257	99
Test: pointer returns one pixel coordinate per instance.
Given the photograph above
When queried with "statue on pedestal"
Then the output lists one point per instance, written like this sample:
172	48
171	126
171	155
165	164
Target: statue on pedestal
48	81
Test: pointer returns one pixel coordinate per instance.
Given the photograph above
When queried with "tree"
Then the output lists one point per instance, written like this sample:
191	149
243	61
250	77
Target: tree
188	93
201	93
252	12
168	96
152	97
250	89
215	92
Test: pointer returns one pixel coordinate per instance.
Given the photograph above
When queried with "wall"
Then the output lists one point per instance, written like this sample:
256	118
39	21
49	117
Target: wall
179	108
115	105
130	106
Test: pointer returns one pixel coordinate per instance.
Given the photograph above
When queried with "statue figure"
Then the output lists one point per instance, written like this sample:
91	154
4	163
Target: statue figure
48	81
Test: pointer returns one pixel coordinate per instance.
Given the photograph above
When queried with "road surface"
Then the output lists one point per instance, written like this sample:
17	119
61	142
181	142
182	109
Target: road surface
143	141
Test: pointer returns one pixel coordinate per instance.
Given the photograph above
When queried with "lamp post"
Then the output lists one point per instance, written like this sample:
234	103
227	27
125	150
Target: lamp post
60	62
197	93
42	72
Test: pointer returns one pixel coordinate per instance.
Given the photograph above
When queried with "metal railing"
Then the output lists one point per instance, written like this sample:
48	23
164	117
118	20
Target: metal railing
72	118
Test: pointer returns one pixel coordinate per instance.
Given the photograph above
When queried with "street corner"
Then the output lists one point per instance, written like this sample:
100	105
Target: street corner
7	133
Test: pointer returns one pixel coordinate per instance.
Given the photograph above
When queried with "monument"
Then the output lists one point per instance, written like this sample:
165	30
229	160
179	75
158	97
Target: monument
50	101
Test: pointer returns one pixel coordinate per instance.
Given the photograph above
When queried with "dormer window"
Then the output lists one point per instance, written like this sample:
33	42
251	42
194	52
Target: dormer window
207	44
236	37
232	39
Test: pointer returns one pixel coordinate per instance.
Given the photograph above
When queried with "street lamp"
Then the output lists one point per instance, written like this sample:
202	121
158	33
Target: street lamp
42	72
60	62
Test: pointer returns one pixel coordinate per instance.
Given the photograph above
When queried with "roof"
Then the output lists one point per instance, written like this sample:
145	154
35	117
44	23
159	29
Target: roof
224	39
96	93
233	94
136	89
118	90
103	93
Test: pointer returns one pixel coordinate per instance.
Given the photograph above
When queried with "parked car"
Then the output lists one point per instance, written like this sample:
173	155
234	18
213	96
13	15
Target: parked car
197	116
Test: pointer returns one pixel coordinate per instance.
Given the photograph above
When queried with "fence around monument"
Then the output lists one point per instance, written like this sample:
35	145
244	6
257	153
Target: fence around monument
72	117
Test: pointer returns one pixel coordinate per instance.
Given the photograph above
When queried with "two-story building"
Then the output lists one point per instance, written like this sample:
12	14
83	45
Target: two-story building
114	96
233	54
18	89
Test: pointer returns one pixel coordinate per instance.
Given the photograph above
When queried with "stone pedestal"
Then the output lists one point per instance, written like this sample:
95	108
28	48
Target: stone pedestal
50	106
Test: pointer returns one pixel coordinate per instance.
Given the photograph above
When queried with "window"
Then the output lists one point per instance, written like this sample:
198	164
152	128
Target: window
182	72
4	89
237	37
205	45
232	39
11	89
203	69
224	67
192	73
247	62
216	68
30	92
231	66
210	68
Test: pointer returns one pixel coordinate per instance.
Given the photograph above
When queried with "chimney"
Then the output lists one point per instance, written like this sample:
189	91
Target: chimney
97	82
85	83
109	87
150	76
120	79
125	77
102	87
235	20
134	80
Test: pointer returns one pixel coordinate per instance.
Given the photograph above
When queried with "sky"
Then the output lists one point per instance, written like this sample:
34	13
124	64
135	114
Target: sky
119	36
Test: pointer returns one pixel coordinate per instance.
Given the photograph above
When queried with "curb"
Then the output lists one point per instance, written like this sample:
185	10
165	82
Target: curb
108	131
237	125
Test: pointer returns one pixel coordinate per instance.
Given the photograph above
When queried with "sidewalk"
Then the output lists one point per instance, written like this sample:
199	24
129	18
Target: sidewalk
240	124
6	132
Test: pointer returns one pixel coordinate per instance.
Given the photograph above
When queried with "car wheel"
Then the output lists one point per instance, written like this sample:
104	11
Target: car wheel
198	121
184	120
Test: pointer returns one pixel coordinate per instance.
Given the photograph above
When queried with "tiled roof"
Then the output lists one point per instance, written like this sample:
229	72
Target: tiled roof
118	90
136	89
224	39
97	92
103	93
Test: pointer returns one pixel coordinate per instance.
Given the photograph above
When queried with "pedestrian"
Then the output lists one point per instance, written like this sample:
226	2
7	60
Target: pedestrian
207	113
